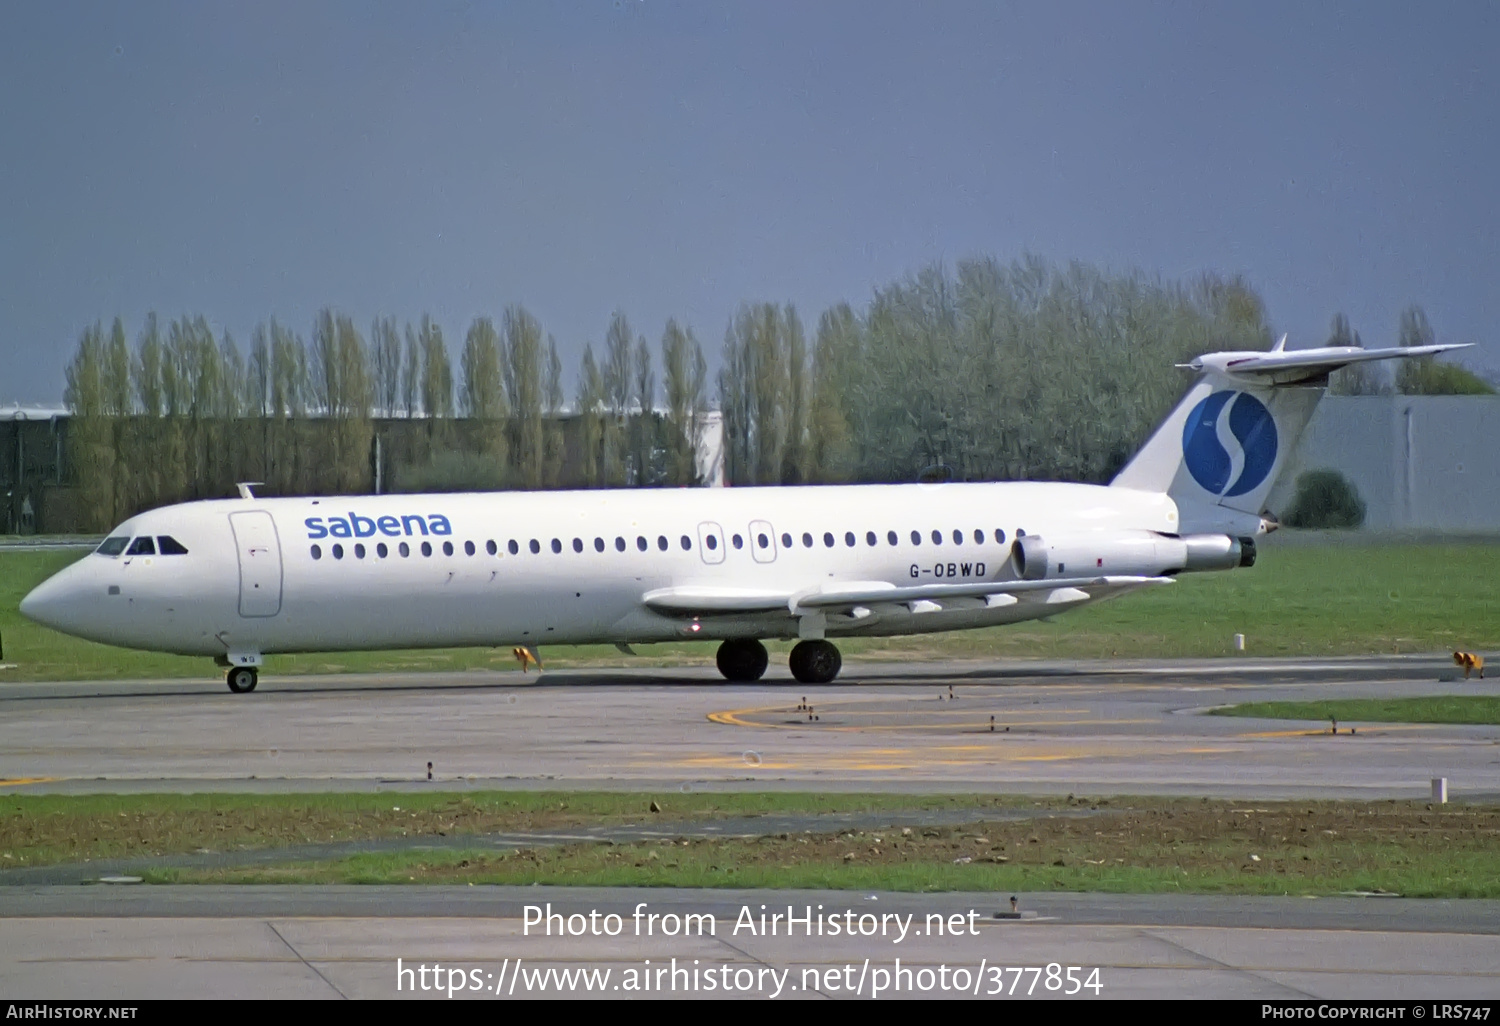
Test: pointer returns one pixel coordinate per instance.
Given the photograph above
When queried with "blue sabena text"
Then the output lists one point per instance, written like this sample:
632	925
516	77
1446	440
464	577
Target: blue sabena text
356	526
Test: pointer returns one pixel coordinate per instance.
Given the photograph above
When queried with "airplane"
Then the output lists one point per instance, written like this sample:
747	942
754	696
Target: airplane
242	579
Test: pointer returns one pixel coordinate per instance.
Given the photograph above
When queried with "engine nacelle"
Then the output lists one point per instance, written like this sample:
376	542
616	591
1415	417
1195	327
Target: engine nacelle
1218	552
1127	553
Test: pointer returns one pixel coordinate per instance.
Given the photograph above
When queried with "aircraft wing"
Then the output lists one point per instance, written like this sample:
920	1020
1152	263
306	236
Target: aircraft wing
693	599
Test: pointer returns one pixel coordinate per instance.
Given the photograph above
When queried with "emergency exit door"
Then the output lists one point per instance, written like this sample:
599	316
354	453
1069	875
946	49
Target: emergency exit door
260	563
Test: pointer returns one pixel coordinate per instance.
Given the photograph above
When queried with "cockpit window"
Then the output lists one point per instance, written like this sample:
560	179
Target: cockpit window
112	546
142	546
169	546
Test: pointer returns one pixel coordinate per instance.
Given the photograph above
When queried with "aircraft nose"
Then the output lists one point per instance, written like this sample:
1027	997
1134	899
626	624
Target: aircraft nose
54	602
41	603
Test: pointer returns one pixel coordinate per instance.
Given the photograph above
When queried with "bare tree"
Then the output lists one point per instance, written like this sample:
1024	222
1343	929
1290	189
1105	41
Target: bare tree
411	374
385	357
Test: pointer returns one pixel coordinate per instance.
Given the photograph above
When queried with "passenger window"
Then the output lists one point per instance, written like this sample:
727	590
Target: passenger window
999	536
338	552
937	537
916	537
870	538
619	544
849	538
712	542
142	546
640	542
577	544
404	549
359	550
426	548
382	551
447	548
806	540
737	541
512	547
169	546
958	537
978	536
598	544
112	546
828	539
890	536
687	543
786	541
491	547
536	546
763	541
1020	532
556	546
469	548
317	552
661	542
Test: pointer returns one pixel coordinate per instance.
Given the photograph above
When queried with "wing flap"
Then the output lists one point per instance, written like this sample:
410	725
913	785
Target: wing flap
875	591
692	599
702	599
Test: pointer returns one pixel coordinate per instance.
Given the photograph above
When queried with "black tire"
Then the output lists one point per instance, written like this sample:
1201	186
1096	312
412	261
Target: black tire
742	661
815	662
242	679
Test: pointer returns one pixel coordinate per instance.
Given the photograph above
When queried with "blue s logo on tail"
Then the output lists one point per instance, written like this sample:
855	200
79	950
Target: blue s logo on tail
1229	443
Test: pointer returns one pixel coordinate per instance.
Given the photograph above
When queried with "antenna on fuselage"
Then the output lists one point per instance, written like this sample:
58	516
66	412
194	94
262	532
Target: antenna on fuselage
245	486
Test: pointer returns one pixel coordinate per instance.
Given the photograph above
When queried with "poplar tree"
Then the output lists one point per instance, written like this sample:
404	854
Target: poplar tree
385	359
591	417
524	393
90	442
411	374
146	383
554	451
483	391
643	423
831	455
617	380
684	377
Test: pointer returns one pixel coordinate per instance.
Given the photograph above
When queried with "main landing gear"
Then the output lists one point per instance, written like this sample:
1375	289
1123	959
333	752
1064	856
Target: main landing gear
242	679
815	662
742	660
811	662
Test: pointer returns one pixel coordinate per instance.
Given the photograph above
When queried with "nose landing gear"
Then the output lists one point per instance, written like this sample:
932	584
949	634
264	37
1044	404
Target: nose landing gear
242	679
815	662
742	660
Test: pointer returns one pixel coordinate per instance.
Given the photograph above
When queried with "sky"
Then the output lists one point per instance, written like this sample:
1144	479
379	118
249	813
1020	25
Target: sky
245	160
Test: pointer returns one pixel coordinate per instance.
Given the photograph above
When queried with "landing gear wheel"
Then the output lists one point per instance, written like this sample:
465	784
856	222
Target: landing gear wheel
742	661
815	662
242	679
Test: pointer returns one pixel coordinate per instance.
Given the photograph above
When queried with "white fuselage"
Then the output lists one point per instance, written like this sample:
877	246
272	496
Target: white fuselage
250	582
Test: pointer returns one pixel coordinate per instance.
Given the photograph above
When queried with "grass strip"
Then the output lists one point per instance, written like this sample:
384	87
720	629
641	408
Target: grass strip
40	830
1129	846
1434	709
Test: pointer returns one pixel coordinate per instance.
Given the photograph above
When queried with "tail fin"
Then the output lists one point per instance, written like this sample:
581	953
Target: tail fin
1219	451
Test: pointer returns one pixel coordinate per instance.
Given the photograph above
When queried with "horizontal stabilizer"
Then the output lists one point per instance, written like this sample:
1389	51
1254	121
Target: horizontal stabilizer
692	599
1281	366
